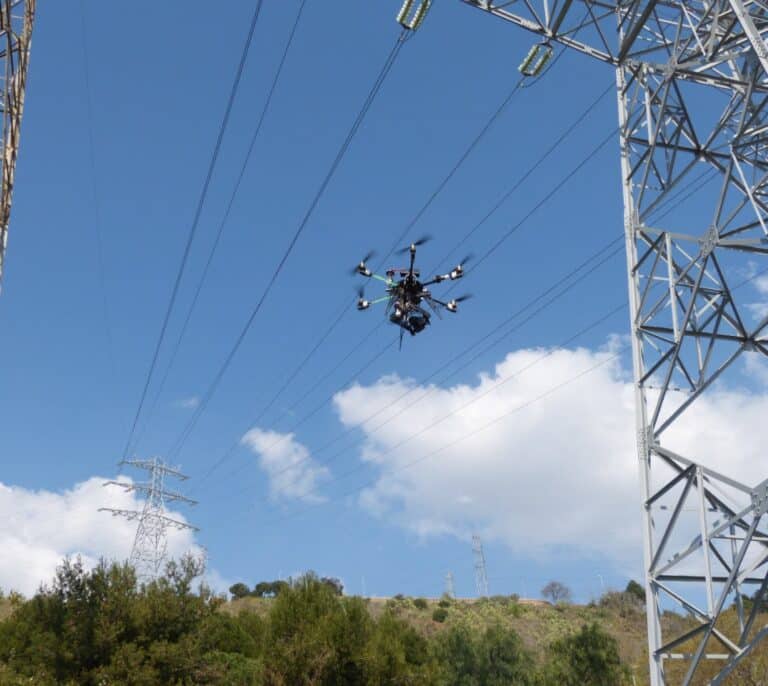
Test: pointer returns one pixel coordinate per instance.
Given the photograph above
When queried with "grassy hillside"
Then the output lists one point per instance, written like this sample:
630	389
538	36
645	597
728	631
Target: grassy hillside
539	624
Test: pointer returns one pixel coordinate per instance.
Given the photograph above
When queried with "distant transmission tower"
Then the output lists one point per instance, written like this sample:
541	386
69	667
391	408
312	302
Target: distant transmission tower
450	590
149	552
481	577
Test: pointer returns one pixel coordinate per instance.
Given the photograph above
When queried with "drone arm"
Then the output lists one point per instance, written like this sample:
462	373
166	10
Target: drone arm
363	304
437	279
381	278
451	306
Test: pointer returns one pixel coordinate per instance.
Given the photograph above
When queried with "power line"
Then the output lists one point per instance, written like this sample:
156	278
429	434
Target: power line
306	417
196	219
98	229
544	200
440	187
378	83
458	164
569	130
539	161
512	230
230	204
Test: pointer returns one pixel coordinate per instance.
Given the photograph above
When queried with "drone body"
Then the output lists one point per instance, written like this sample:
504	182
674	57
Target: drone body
407	295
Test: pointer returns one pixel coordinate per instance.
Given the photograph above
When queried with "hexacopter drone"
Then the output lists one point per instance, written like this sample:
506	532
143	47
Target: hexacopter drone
405	296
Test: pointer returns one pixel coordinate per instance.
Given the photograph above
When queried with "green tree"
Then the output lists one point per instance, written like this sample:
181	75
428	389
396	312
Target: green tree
636	590
397	654
456	652
239	590
334	584
556	592
440	614
587	658
503	661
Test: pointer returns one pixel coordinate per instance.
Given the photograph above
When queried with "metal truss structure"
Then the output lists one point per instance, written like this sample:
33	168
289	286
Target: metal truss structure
149	551
450	588
16	21
692	83
481	574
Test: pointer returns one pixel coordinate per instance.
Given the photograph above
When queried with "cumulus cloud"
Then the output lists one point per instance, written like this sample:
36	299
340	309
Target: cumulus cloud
544	461
759	309
287	463
39	528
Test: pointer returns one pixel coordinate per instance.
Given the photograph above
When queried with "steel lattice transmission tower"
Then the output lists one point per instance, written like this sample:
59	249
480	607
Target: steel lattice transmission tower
450	588
149	551
16	22
692	85
481	575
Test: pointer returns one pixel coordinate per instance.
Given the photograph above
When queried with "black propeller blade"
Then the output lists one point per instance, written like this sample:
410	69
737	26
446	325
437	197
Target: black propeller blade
466	259
462	298
356	269
419	241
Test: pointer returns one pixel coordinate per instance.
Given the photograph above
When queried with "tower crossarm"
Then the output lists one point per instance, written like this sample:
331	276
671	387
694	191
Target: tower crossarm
156	466
133	515
691	40
147	489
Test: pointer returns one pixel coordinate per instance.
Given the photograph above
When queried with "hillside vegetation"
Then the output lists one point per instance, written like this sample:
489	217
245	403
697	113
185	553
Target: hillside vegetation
100	628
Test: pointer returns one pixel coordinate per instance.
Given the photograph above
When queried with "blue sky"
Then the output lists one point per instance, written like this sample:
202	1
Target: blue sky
159	77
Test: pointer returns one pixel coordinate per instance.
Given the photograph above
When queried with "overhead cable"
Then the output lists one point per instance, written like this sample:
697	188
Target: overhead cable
512	230
196	220
440	187
378	83
225	218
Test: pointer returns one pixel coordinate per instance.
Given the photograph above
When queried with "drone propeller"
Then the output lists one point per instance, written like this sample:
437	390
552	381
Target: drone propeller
453	305
361	266
362	303
458	270
419	241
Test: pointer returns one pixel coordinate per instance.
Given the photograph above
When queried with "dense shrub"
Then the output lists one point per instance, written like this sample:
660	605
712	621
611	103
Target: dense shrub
421	603
588	658
440	614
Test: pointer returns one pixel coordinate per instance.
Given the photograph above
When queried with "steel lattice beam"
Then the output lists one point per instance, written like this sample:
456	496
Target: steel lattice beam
16	22
149	551
692	85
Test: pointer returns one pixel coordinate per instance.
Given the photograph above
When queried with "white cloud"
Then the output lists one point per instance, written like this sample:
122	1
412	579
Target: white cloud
39	528
559	472
291	470
758	310
189	403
